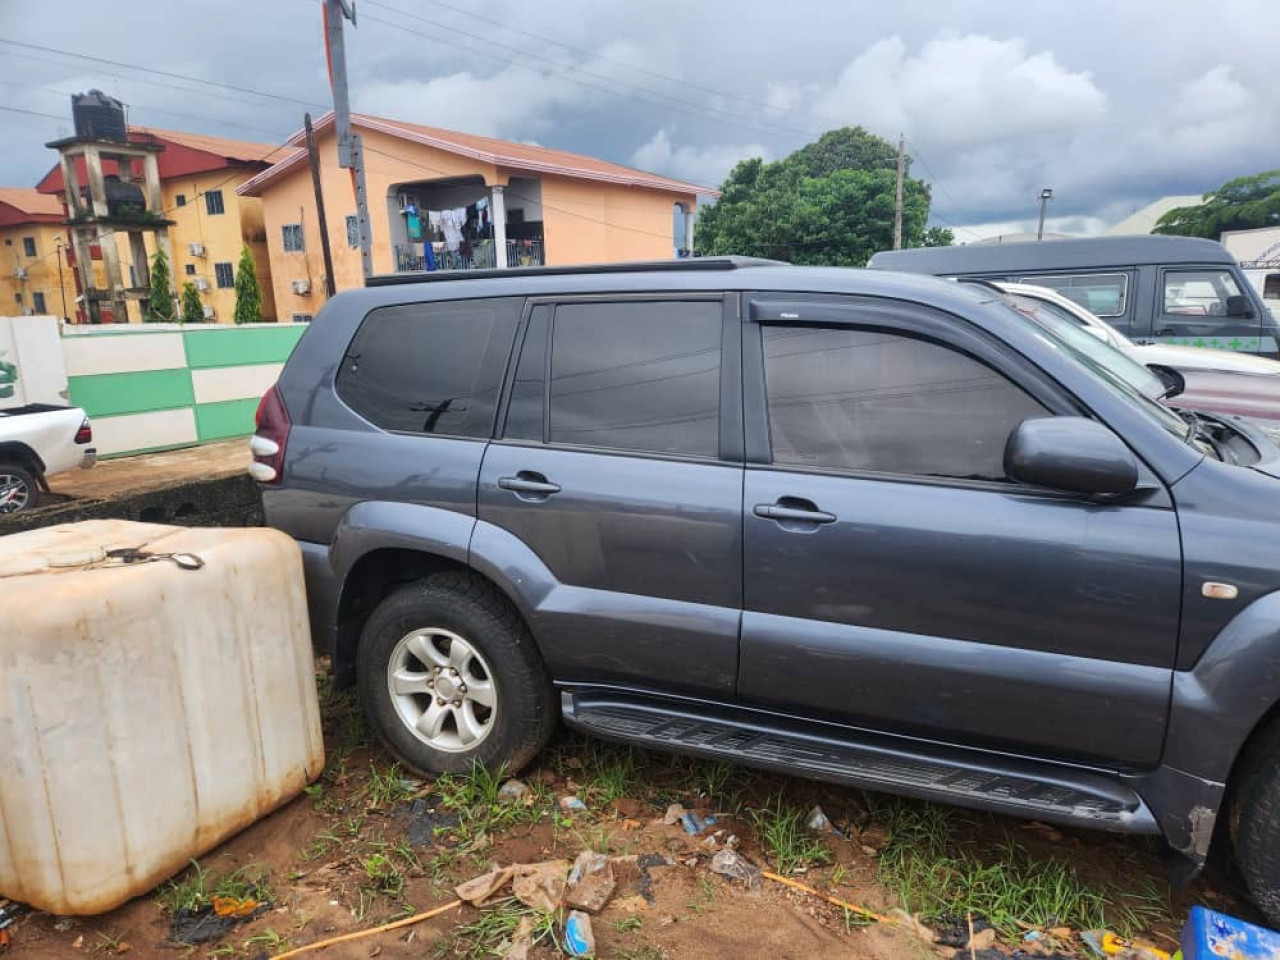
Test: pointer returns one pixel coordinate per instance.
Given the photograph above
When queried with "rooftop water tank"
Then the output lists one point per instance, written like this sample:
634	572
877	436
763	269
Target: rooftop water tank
152	703
98	116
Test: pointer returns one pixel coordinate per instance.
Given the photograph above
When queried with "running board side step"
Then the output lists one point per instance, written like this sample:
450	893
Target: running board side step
969	778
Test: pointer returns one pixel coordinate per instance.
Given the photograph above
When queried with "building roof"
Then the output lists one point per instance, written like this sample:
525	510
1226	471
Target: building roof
31	203
502	153
185	154
1144	220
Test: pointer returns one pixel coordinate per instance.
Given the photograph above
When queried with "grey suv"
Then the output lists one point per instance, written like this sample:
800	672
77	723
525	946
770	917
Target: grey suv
880	529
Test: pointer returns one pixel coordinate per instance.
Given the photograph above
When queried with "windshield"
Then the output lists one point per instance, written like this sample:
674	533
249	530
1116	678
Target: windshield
1127	377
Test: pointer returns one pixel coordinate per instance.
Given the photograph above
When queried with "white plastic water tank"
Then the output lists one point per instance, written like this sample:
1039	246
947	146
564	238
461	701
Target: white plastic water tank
147	711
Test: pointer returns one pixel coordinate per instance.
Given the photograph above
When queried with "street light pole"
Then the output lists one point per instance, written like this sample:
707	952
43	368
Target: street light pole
1045	196
62	291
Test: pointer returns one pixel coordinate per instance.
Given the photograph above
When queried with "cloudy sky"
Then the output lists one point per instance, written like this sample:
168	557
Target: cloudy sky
1112	104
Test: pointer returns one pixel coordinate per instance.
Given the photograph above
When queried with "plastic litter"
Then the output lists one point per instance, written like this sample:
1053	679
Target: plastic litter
1107	944
572	805
537	885
513	791
579	939
673	814
819	822
732	864
1209	935
591	882
521	941
694	824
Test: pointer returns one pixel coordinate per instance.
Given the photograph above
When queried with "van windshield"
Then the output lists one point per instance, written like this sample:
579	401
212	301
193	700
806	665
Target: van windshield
1127	377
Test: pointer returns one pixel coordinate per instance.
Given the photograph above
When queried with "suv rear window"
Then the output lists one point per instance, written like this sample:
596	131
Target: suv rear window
430	367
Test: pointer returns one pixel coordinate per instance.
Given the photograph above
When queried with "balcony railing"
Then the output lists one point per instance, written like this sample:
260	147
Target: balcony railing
520	253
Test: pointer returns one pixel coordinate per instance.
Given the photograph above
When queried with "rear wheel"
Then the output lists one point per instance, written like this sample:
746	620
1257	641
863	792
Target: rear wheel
18	489
449	676
1256	821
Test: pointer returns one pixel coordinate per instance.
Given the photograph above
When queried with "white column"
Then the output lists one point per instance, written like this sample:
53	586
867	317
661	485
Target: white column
499	213
688	230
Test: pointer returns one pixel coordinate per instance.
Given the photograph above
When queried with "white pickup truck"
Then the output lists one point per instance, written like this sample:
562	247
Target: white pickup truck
37	441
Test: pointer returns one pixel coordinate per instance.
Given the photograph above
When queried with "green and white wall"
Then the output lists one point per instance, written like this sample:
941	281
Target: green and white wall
162	386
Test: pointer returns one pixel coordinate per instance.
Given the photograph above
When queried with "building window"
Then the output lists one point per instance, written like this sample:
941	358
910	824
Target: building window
224	275
191	269
29	246
213	202
301	318
353	232
852	400
293	242
37	302
8	241
17	298
180	199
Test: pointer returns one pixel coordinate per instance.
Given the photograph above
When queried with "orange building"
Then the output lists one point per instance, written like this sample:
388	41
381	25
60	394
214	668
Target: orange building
210	221
35	276
445	200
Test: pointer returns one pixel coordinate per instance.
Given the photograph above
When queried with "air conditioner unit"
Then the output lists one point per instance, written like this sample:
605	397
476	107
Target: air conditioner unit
196	249
301	287
201	283
20	273
210	313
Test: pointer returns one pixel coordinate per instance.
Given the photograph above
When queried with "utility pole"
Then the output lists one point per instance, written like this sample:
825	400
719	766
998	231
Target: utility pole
350	149
897	202
1045	196
314	155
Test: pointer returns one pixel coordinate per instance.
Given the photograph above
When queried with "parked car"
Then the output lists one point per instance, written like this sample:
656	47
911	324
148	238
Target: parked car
1215	381
36	442
1153	289
861	526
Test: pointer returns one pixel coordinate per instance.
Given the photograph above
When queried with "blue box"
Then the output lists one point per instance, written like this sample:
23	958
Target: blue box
1209	935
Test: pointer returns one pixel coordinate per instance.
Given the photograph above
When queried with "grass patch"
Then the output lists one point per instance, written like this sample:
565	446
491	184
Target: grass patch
788	840
195	889
268	940
384	875
474	798
388	786
483	937
934	872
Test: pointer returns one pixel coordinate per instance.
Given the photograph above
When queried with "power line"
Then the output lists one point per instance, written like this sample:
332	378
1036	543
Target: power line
34	113
162	73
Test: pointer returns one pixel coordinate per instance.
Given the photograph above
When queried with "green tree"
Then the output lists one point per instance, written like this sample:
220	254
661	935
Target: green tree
160	304
831	202
192	307
248	294
1239	204
937	237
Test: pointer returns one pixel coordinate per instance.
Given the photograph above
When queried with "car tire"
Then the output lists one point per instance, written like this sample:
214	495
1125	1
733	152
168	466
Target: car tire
1255	821
449	676
19	490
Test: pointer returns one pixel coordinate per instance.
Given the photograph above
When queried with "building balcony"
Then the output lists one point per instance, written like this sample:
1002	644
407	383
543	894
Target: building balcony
480	255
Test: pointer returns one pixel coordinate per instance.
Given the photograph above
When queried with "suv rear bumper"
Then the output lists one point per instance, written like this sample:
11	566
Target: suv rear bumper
322	595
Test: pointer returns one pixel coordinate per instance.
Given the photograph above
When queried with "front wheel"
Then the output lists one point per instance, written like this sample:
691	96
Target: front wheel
1256	822
449	676
18	489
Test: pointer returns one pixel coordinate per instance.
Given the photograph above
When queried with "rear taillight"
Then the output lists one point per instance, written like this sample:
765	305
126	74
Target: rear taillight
268	443
85	433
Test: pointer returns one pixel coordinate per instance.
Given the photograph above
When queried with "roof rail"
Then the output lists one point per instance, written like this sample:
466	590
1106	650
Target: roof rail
682	264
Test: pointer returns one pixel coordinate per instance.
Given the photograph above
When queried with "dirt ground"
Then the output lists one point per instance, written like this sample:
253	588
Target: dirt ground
114	478
367	845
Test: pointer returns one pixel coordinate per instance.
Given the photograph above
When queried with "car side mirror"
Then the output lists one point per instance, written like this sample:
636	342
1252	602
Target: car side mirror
1072	454
1238	306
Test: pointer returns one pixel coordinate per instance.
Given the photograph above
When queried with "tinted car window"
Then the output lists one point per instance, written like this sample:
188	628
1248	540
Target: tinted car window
430	367
865	400
528	390
637	376
1102	294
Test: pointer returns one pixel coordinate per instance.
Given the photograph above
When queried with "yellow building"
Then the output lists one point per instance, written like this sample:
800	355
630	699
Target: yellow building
33	247
445	200
210	221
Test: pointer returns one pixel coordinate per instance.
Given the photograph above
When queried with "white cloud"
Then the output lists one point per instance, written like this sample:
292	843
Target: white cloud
706	166
962	91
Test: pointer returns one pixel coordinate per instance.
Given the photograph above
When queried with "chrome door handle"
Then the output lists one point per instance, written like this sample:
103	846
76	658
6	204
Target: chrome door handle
528	482
774	511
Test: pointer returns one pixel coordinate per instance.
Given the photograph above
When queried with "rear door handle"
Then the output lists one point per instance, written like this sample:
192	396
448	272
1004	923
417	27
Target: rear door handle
526	481
795	514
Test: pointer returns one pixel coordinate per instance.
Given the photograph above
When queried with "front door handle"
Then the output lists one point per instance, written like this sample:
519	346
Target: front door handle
794	510
528	481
